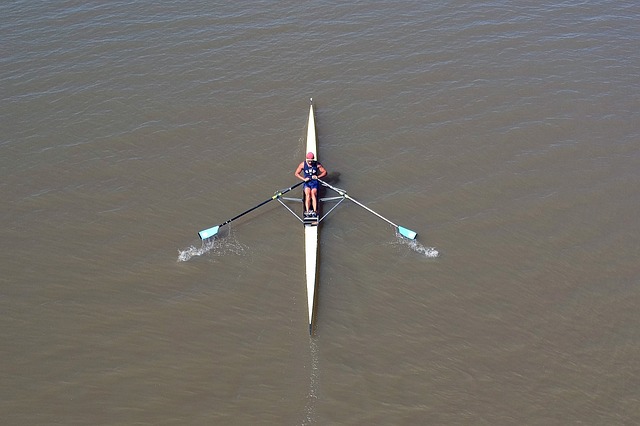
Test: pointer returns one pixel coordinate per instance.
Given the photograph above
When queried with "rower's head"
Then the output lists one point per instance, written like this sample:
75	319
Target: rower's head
310	157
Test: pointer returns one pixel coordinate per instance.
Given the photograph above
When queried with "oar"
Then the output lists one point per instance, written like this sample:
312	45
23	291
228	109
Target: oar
211	232
407	233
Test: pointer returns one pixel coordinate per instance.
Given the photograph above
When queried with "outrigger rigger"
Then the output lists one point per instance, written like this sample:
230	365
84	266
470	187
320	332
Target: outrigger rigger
311	222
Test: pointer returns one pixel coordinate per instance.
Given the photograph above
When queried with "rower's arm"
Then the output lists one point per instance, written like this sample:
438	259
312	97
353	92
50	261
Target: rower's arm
298	170
323	171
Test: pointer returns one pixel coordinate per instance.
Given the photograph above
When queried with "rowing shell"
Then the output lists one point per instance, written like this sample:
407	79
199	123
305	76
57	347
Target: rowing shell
311	224
311	230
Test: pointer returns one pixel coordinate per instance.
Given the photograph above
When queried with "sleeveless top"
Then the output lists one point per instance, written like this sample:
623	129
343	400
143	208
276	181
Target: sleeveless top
309	171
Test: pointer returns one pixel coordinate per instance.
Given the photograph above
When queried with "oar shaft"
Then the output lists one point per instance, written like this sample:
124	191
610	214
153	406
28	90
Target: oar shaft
246	212
275	196
207	233
371	211
344	194
407	233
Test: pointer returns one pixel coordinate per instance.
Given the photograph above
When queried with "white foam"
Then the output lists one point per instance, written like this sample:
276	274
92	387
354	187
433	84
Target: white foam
216	246
430	252
188	253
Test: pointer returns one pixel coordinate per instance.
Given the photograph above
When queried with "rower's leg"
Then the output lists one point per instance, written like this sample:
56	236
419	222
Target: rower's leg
307	198
314	199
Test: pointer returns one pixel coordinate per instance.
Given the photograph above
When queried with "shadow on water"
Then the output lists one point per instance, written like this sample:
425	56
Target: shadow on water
332	178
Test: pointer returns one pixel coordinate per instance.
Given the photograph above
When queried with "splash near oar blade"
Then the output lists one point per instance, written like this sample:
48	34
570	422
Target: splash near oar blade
208	233
407	233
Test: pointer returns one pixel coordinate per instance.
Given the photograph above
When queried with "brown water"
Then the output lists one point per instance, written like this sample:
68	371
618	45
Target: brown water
505	133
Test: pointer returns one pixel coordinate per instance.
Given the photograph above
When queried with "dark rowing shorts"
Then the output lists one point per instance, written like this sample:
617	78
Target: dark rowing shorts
312	184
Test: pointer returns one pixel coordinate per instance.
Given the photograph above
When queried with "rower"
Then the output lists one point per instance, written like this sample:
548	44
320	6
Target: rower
309	171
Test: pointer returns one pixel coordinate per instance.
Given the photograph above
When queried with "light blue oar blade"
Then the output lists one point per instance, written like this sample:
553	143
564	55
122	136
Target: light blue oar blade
407	233
208	233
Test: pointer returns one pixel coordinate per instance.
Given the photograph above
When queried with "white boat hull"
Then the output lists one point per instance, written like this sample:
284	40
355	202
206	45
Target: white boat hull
311	252
311	232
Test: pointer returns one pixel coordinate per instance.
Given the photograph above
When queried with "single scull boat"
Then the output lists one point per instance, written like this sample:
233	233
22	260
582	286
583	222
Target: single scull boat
311	228
311	223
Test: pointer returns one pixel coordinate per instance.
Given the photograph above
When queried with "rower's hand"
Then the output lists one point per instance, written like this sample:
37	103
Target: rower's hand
307	179
314	177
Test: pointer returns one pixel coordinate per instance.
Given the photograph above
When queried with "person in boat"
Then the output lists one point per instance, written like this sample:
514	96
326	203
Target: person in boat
309	171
